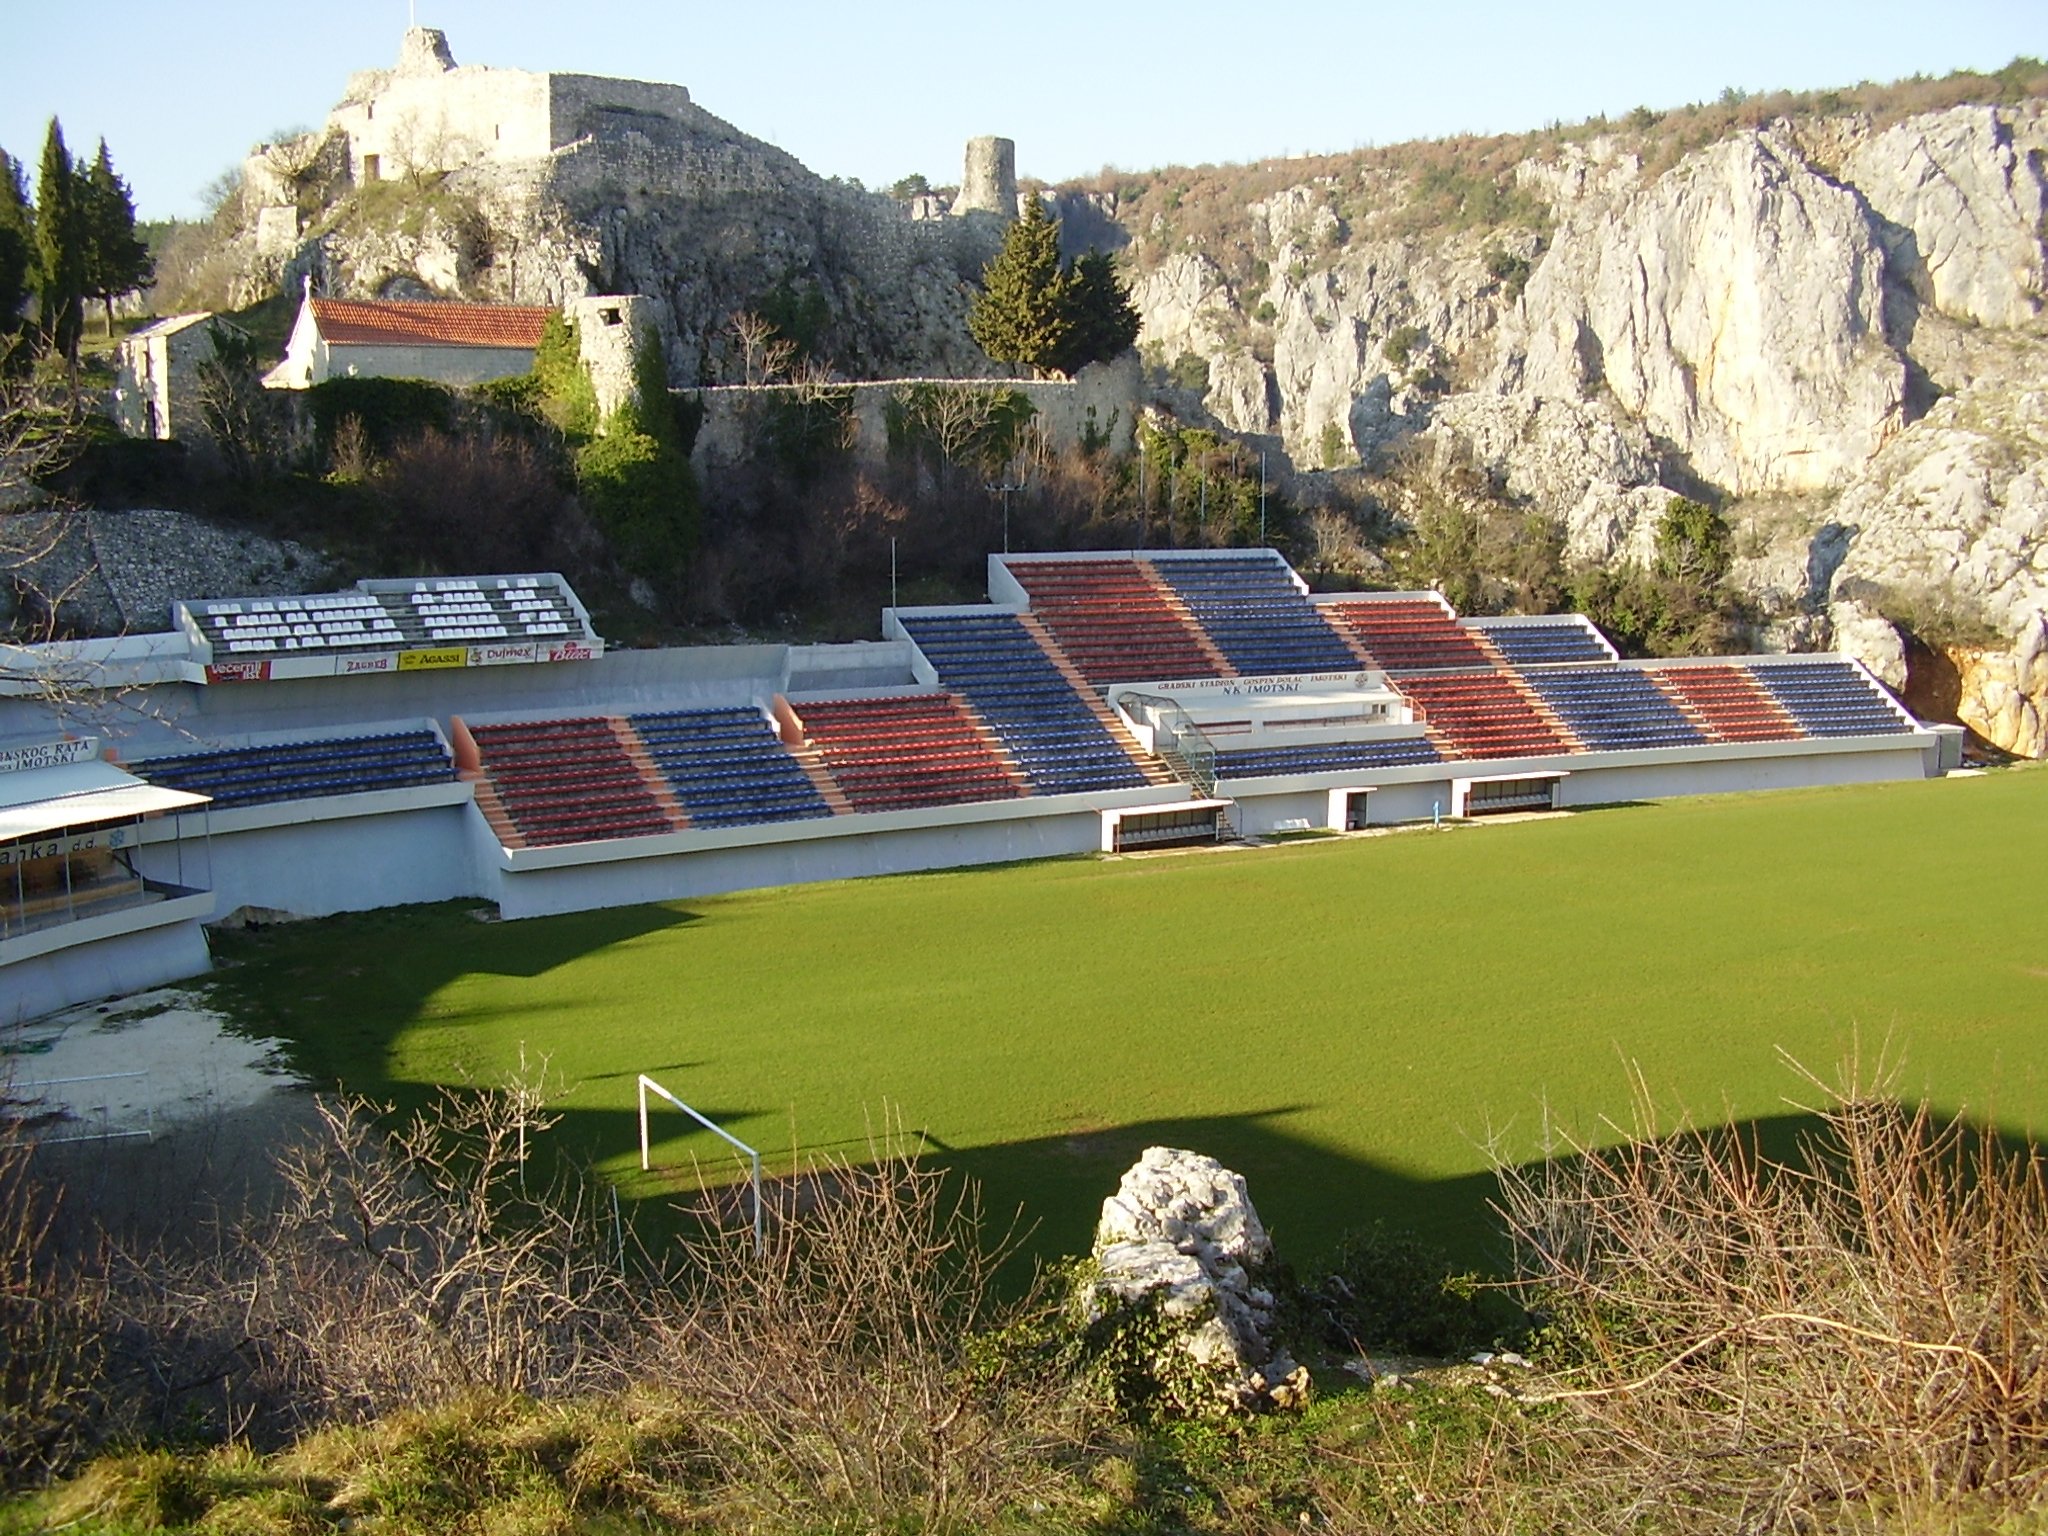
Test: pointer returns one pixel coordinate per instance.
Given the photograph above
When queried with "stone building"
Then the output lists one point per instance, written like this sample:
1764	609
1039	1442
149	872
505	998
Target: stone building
449	343
158	390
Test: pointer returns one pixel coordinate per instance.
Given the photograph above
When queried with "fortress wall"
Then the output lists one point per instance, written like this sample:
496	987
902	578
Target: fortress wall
624	164
573	99
443	122
1105	396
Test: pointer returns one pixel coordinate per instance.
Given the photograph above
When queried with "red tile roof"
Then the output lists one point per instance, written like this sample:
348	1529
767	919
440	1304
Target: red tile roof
391	322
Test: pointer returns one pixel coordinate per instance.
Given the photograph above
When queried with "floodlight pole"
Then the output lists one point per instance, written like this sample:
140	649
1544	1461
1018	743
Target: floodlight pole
1003	488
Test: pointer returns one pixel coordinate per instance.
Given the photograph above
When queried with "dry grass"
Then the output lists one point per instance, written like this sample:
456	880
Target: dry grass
1786	1343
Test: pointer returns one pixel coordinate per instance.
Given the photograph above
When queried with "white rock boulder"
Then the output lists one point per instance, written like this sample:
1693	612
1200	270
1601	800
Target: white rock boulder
1180	1236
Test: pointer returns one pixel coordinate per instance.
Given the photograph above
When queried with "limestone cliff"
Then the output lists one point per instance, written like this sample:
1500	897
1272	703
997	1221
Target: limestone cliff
1831	324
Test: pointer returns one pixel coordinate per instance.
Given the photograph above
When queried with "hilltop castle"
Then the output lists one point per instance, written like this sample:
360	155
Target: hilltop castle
431	115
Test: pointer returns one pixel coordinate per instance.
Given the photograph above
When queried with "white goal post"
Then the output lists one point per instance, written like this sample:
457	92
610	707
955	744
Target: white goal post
753	1158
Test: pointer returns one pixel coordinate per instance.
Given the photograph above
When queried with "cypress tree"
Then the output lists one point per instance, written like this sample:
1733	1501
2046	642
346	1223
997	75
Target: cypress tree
1103	321
1020	315
17	245
60	247
116	259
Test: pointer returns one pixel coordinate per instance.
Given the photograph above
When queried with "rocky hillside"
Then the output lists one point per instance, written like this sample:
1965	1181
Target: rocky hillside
1829	322
1824	314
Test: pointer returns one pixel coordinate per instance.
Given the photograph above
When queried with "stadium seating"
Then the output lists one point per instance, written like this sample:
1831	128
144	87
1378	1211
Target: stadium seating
892	754
1830	698
1056	738
299	770
728	767
1482	714
1730	703
568	781
459	610
1324	757
1253	613
1114	621
1568	639
1410	634
1613	708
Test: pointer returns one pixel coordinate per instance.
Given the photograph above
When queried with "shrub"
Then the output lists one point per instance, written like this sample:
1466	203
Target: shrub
468	505
641	493
387	410
966	426
1392	1290
565	387
1508	270
1400	346
1190	371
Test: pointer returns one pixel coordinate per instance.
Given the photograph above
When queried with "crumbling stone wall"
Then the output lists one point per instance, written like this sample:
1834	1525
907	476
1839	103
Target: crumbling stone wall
1102	400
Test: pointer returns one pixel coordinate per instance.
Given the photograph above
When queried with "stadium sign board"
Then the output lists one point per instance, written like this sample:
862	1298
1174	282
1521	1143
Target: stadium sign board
48	847
50	754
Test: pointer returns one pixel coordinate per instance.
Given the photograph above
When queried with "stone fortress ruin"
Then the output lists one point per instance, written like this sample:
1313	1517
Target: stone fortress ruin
438	180
431	116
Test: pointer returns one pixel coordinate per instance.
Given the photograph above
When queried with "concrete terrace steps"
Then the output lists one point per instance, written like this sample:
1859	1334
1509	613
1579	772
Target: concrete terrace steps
1222	663
496	817
650	772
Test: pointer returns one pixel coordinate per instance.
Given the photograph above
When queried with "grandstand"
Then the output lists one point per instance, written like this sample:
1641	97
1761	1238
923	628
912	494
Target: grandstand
412	741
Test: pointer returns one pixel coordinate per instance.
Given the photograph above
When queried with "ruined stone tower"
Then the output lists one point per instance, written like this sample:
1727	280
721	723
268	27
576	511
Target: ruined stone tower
989	182
610	331
425	52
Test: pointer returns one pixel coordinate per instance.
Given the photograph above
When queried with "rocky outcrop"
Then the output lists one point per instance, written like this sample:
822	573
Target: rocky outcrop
1963	201
1594	469
1736	308
1180	1240
109	573
1948	531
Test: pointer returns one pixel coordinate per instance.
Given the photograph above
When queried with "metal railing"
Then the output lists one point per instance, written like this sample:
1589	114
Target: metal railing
753	1158
1176	738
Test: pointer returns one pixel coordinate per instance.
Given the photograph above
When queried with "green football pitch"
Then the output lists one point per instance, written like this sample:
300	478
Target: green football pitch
1357	1025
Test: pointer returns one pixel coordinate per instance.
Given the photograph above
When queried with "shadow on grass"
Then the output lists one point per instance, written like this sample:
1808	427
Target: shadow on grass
339	993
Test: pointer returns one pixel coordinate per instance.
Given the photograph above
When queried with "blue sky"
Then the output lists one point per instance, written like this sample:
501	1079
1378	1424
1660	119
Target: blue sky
875	91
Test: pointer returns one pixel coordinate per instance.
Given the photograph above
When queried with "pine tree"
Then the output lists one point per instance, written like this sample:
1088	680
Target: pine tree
116	259
1103	321
60	248
17	246
1020	315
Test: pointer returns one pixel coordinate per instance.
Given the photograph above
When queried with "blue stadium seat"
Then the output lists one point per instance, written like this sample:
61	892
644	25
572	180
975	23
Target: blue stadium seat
301	770
728	767
1324	757
1254	613
1613	708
